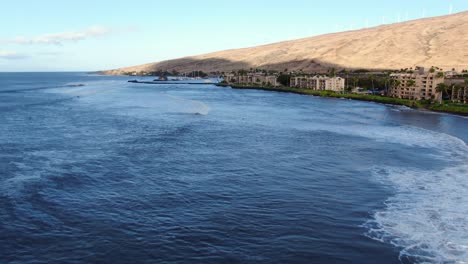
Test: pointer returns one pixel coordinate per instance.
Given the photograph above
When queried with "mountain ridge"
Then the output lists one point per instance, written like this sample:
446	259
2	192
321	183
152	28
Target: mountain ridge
436	41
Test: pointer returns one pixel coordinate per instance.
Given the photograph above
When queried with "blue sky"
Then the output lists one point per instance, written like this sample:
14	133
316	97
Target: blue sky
85	35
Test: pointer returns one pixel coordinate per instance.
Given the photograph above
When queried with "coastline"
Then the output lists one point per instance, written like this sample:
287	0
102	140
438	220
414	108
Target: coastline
450	109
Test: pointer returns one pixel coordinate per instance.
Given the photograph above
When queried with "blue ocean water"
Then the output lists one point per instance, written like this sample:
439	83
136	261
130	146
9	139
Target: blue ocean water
97	170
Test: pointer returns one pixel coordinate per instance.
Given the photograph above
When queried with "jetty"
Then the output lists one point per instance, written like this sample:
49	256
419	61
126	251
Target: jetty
172	82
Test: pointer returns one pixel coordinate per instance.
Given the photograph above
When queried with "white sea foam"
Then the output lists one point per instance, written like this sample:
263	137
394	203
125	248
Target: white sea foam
428	216
406	135
32	169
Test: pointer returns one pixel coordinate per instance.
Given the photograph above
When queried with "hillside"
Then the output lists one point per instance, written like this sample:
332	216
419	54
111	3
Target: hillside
437	41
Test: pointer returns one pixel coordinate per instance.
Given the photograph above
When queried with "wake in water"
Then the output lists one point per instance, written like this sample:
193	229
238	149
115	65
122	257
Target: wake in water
190	106
428	216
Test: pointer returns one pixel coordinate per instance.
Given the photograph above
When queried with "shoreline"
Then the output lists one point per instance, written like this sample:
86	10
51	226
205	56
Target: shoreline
450	109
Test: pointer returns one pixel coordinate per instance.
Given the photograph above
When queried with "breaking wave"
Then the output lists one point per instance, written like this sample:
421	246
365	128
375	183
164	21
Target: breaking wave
428	215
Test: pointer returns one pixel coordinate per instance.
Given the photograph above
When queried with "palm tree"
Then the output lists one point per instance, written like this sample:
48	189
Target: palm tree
441	89
391	86
355	82
411	83
372	78
450	89
440	75
463	88
386	81
396	83
456	88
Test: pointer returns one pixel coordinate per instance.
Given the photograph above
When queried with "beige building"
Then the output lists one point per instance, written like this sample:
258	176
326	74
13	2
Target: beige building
459	91
252	78
320	83
419	85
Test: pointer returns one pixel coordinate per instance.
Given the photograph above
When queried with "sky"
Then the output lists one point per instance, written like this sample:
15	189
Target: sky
93	35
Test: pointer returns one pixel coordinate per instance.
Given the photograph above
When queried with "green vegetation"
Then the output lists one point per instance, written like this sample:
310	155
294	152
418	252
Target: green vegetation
446	107
440	75
284	79
361	71
450	108
363	97
171	73
442	88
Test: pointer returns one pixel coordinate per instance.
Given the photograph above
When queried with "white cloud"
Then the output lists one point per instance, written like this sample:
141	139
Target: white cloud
11	55
60	38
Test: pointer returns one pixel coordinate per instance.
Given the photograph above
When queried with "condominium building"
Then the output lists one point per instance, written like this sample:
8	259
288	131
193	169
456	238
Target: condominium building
252	78
459	91
320	83
419	85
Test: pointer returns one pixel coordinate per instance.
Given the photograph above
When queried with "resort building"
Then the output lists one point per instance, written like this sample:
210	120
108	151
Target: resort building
320	83
419	85
460	95
450	74
252	78
459	89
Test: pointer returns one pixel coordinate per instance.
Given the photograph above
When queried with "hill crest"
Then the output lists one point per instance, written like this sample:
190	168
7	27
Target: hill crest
437	41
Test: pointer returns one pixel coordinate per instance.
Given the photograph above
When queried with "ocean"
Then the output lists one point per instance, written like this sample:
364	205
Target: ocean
97	170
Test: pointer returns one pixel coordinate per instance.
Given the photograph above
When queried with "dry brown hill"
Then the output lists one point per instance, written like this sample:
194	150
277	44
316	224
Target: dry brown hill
437	41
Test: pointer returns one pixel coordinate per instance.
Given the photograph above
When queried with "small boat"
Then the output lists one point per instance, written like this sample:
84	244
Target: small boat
133	81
